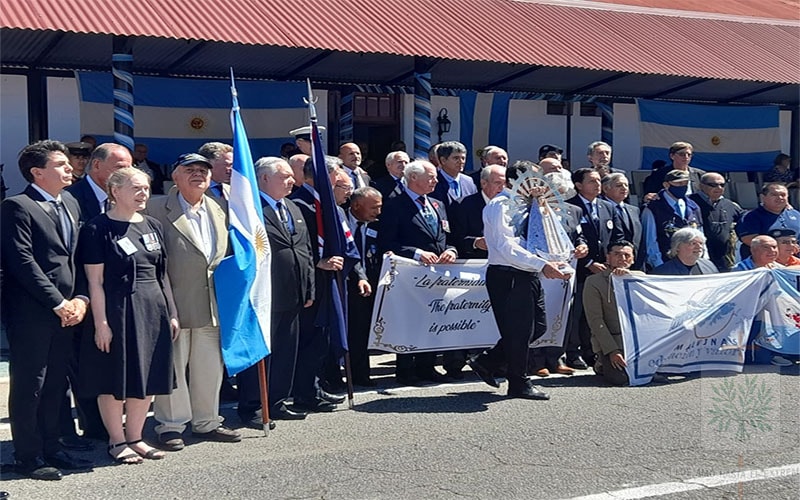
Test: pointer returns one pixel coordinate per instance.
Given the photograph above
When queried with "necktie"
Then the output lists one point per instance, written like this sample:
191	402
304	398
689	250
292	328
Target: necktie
682	208
456	188
593	215
63	222
359	238
106	206
623	215
220	191
430	218
284	218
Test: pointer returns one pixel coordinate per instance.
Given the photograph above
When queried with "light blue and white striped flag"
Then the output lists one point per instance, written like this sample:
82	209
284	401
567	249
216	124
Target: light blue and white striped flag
176	115
725	138
242	280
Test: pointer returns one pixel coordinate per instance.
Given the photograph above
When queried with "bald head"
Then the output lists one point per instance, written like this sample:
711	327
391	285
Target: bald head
298	162
764	250
550	165
350	154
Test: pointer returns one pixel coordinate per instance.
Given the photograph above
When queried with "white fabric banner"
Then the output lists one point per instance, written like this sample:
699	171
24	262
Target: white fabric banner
442	307
681	324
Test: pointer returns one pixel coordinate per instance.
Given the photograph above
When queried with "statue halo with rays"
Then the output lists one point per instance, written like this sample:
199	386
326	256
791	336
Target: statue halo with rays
545	235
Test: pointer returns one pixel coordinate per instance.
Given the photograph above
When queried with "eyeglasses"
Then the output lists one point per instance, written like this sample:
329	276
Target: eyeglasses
343	187
787	242
715	184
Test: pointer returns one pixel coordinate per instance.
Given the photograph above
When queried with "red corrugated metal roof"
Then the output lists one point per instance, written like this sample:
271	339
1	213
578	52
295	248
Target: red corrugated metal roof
774	9
558	33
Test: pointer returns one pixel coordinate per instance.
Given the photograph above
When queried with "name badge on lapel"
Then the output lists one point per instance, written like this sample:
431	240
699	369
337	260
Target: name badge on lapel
445	226
127	246
610	224
372	233
151	242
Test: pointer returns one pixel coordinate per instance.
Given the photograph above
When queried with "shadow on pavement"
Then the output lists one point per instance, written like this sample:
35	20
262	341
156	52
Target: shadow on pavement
468	402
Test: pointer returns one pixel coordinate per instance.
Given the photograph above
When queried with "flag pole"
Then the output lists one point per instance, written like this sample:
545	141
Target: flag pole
312	114
266	423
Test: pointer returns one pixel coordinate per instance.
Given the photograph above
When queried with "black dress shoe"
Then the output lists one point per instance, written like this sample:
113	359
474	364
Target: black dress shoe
318	406
364	382
455	374
75	443
529	392
432	376
481	371
577	363
283	412
63	460
256	421
37	468
408	381
330	398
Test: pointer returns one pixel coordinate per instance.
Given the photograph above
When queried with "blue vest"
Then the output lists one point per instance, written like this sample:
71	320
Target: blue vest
667	221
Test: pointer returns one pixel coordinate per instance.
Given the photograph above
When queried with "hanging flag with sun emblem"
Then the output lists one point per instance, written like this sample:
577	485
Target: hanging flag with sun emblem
242	280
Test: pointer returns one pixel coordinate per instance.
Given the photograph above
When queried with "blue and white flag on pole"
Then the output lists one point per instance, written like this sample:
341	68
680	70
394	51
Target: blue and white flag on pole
242	280
725	138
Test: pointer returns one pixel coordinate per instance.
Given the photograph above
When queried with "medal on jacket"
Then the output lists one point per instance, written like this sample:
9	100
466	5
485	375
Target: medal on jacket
151	242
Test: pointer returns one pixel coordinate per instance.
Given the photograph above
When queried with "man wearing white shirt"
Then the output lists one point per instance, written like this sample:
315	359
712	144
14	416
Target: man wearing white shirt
512	280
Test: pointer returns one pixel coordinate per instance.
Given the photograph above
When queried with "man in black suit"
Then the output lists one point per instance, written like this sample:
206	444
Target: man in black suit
39	232
467	215
616	190
92	198
292	290
415	226
600	226
350	154
365	207
391	185
91	191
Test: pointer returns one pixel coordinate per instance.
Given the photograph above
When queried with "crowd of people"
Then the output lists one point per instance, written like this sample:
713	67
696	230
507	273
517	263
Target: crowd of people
114	300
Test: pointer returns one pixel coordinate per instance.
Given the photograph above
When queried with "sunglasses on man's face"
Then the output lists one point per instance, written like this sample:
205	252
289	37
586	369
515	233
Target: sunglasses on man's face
715	184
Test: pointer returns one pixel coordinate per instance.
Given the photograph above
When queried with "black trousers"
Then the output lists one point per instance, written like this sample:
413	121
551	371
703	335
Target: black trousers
579	337
312	351
359	322
88	413
38	358
280	365
518	306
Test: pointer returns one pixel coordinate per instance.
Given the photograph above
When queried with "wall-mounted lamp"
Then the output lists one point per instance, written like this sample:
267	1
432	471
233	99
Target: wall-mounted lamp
444	123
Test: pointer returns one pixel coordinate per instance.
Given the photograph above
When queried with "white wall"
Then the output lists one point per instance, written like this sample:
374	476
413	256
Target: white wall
529	127
13	128
785	120
63	111
627	153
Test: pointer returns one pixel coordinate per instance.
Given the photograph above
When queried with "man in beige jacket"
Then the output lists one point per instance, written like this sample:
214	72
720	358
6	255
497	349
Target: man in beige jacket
601	314
195	234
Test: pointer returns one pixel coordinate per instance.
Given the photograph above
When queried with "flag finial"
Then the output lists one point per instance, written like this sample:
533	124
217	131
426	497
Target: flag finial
311	100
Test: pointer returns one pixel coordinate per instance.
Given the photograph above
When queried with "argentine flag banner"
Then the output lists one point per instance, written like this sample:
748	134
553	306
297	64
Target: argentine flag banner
725	138
242	280
176	115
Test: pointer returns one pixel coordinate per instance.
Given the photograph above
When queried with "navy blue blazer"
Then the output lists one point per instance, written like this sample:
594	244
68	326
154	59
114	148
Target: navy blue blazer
403	230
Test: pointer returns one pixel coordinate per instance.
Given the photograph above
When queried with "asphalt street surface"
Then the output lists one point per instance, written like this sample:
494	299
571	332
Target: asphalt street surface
467	440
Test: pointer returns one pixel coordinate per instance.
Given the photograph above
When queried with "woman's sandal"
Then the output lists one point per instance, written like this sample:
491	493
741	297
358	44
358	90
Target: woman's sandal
151	454
127	459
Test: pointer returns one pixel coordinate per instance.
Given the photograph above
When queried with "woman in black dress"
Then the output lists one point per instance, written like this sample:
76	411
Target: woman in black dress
129	358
